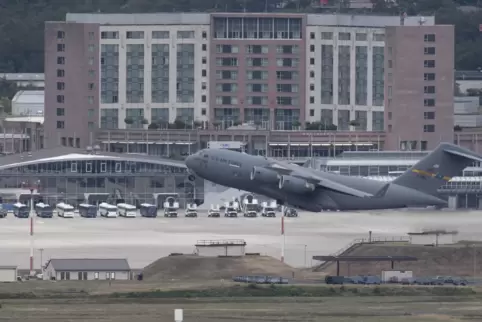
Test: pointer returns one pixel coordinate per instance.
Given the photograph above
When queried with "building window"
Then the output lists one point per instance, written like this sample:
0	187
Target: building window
160	34
91	48
312	35
312	87
429	115
312	48
204	85
60	34
90	125
112	276
312	74
429	76
90	112
90	99
312	61
429	50
91	61
344	36
60	73
312	100
91	35
60	98
429	63
60	47
60	86
103	167
389	116
88	167
327	35
204	73
60	124
203	98
429	89
429	38
96	274
91	86
204	35
61	60
118	167
109	35
204	47
60	111
73	167
312	112
361	37
423	145
204	60
428	128
378	37
135	35
429	102
183	34
390	64
203	111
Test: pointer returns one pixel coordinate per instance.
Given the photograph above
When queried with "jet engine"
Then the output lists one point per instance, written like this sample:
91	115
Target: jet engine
263	175
295	185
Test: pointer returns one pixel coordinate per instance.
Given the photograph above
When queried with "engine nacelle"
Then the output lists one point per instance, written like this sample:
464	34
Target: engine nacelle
295	185
263	175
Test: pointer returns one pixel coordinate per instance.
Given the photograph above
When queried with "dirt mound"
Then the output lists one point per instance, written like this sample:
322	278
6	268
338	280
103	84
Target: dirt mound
456	260
192	267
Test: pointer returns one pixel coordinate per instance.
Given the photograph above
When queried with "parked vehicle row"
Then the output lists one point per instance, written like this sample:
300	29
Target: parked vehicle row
375	280
261	279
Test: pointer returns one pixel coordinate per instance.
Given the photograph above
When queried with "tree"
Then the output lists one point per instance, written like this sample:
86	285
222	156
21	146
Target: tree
153	126
144	121
129	121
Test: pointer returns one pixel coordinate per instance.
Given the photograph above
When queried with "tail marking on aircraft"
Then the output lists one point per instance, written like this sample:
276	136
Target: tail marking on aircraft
425	174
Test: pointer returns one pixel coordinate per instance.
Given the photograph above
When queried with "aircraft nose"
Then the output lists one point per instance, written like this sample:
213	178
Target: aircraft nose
190	162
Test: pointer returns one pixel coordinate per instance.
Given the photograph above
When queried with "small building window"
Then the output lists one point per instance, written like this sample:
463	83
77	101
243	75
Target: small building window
118	167
88	167
96	275
103	167
73	167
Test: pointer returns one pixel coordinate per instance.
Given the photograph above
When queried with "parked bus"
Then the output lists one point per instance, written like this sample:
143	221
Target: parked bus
65	210
107	210
126	210
148	210
44	210
87	211
21	210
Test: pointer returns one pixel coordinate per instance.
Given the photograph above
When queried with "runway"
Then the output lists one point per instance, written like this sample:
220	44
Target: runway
143	240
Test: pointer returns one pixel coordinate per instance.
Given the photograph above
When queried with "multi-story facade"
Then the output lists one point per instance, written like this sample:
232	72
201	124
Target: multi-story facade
258	69
419	75
278	71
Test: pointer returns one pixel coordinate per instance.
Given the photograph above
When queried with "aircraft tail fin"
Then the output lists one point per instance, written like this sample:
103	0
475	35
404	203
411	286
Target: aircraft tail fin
437	168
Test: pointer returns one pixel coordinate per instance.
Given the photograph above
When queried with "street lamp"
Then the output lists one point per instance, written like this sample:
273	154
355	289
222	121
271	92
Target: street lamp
41	261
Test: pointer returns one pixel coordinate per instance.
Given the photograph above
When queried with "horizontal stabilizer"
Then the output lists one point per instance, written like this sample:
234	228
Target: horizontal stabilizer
463	154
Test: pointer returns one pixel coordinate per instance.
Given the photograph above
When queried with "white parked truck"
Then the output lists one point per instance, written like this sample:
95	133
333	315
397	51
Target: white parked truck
269	209
396	276
214	211
250	206
231	209
191	210
171	207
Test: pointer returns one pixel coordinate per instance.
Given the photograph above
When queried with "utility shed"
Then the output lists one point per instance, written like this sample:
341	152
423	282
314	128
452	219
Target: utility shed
433	237
8	273
83	269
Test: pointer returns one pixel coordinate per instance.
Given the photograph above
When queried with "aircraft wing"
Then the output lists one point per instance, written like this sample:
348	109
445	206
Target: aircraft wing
319	181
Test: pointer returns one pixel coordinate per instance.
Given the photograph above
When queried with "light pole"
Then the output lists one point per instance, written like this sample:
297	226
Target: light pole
41	261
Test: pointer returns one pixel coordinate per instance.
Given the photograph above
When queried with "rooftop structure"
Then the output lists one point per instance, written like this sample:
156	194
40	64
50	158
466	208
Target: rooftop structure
28	103
25	79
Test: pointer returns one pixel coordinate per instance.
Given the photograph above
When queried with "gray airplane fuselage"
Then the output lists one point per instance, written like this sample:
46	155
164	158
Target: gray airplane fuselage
234	169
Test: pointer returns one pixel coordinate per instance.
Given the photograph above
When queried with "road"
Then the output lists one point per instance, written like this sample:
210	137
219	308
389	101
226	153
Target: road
143	240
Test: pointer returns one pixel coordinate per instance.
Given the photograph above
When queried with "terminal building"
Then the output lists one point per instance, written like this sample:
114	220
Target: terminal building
76	176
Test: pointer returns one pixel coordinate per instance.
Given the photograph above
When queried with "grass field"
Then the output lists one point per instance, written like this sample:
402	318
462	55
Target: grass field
334	309
230	302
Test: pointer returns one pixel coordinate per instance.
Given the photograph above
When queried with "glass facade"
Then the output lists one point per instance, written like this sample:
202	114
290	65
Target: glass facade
109	74
160	73
344	75
326	74
378	75
95	181
135	73
361	75
185	73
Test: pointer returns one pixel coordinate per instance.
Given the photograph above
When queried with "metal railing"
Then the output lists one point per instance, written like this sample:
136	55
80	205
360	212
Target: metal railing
233	242
374	240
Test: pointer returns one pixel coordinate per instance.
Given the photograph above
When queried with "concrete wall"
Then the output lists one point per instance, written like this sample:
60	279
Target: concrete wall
215	251
8	274
431	239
